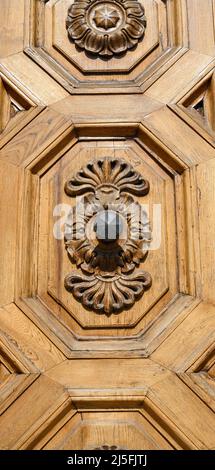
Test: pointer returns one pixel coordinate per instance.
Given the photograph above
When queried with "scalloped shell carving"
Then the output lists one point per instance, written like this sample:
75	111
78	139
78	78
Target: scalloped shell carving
108	279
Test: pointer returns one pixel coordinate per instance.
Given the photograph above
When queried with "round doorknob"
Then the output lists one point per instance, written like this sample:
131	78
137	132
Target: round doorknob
108	226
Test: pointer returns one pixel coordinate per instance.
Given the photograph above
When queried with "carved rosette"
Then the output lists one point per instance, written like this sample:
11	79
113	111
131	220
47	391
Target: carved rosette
107	235
106	27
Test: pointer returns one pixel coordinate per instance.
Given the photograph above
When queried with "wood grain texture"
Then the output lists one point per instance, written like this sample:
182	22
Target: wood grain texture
26	341
129	108
193	417
13	387
129	429
15	430
201	26
69	377
206	194
188	146
35	138
5	106
8	220
142	374
28	76
187	70
12	27
189	341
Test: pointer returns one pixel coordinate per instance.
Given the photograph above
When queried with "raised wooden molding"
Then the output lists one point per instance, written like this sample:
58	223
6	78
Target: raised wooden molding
17	110
148	48
144	394
51	137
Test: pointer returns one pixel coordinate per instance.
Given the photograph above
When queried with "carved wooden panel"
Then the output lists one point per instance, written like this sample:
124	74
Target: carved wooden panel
53	260
121	48
107	320
108	238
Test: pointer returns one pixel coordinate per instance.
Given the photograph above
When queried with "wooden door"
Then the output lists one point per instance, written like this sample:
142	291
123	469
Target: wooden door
107	342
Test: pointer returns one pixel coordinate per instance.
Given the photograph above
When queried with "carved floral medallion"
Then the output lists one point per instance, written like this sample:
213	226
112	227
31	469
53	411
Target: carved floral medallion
107	236
106	27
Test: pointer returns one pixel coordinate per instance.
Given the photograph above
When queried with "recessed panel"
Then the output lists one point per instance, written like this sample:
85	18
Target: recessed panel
137	295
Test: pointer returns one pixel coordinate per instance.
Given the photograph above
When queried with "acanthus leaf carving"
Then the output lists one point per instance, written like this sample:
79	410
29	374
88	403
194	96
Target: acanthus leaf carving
116	172
108	236
109	295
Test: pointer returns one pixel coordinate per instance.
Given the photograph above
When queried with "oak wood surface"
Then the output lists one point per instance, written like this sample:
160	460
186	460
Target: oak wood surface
72	378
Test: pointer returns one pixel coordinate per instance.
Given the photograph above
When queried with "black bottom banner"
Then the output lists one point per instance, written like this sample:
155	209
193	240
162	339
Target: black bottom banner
148	460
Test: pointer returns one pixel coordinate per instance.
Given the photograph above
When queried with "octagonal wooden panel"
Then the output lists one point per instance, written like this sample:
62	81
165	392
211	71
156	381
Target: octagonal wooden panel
90	429
85	63
41	285
52	191
51	47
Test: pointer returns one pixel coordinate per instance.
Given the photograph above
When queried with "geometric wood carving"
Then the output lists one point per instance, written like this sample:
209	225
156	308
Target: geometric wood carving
93	52
53	262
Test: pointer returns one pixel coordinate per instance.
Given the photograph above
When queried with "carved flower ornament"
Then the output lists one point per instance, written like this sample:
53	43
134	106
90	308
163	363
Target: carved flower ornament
107	236
106	27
